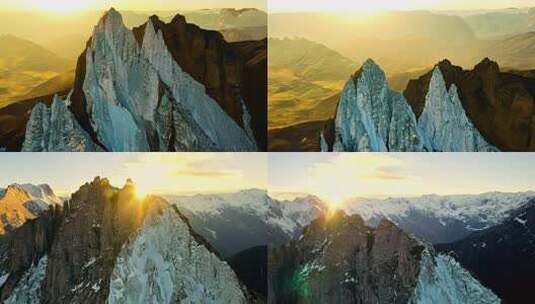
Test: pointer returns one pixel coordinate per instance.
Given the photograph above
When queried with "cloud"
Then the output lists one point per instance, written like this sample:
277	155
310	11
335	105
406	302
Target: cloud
167	173
346	175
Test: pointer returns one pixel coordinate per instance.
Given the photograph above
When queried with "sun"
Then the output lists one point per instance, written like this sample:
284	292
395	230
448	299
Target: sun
141	192
61	6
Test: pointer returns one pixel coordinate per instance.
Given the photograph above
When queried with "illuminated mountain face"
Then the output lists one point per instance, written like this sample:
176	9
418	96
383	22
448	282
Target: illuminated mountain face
340	259
97	249
371	117
154	89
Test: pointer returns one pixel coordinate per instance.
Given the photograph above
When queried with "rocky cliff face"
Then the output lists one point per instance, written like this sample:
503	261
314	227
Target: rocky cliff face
371	117
500	105
98	250
339	259
164	87
502	257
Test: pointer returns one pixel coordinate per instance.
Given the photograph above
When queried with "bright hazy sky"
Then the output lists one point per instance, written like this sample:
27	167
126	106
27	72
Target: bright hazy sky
336	177
147	5
374	5
166	173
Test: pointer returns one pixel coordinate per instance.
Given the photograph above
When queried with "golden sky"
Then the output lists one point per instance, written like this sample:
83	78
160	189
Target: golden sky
146	5
156	173
336	177
377	5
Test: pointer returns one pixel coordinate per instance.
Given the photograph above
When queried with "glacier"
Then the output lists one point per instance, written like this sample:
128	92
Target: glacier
164	263
373	118
444	280
444	121
56	129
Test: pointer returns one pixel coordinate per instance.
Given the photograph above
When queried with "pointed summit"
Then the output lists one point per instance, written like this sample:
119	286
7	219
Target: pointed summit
112	16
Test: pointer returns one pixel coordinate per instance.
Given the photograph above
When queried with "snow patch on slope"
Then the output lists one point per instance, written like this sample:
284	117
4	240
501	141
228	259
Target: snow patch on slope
28	288
443	280
164	263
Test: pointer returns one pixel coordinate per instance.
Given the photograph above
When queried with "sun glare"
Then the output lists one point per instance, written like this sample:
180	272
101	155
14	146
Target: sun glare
142	192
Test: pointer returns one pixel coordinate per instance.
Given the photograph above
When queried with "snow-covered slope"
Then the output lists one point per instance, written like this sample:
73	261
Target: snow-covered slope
136	97
444	121
28	288
440	219
56	129
371	117
165	263
443	280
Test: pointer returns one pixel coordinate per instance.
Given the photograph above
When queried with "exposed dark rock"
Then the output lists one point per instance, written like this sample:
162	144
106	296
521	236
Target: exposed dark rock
501	105
338	259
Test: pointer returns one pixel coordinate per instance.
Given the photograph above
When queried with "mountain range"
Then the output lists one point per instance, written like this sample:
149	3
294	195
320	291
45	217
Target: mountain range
446	109
28	69
341	260
98	246
442	249
176	88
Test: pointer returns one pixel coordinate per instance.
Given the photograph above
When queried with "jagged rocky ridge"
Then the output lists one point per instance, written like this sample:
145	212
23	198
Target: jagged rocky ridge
501	105
341	260
158	87
106	245
372	117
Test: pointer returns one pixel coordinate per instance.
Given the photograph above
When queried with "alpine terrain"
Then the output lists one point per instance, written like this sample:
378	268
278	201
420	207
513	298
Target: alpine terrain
106	245
338	259
157	87
233	222
372	117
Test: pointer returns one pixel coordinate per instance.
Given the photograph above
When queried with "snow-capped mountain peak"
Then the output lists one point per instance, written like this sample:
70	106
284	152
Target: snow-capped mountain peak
372	117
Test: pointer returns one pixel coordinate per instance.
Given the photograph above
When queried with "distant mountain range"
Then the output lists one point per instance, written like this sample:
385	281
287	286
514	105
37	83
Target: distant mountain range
30	70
